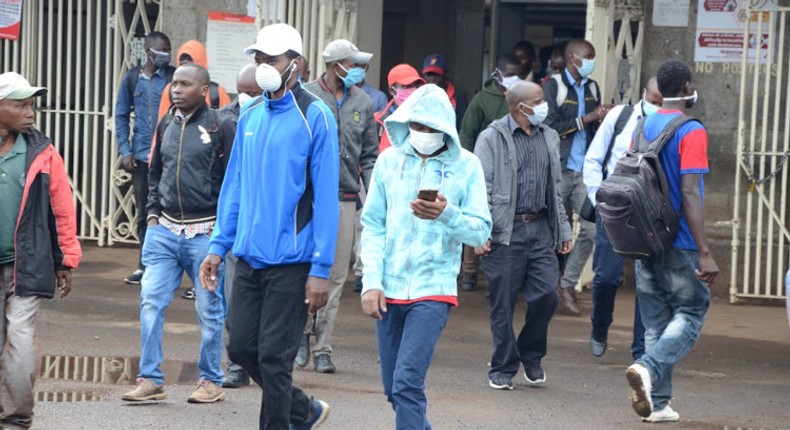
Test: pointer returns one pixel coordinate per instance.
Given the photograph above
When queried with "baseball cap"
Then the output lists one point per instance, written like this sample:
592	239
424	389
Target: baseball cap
403	74
342	49
276	39
434	63
14	86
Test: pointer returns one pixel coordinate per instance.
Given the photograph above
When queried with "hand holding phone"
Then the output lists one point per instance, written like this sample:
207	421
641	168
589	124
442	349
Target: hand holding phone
428	195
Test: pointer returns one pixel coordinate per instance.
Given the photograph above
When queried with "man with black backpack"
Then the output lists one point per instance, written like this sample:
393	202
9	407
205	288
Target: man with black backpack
672	282
611	141
140	92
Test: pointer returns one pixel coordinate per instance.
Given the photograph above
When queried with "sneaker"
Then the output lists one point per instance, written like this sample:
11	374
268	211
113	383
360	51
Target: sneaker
207	392
535	375
598	345
189	294
323	364
303	354
146	390
469	282
236	379
500	383
135	277
666	415
641	387
319	412
358	284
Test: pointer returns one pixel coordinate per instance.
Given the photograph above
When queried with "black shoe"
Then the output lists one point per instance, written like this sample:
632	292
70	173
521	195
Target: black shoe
323	364
236	379
569	302
469	282
358	285
303	355
535	375
135	277
598	345
189	294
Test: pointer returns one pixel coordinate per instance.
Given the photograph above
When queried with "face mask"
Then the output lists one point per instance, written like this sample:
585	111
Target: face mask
243	98
270	80
690	100
161	59
647	107
586	68
541	111
402	94
509	81
426	143
354	76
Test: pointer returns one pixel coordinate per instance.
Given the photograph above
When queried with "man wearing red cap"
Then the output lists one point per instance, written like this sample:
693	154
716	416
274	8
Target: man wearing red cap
434	71
402	80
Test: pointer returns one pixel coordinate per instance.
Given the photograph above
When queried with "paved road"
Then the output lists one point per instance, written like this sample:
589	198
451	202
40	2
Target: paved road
738	375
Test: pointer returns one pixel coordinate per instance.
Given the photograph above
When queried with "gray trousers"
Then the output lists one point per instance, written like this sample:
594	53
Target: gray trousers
573	193
230	273
18	351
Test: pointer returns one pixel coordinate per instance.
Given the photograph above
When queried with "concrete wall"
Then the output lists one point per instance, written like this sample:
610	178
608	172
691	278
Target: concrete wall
186	19
370	14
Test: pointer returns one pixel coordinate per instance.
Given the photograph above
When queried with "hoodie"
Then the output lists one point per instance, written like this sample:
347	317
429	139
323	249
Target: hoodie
486	106
197	51
410	258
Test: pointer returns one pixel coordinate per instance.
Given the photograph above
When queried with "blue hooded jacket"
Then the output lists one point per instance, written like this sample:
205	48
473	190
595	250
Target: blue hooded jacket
407	257
278	203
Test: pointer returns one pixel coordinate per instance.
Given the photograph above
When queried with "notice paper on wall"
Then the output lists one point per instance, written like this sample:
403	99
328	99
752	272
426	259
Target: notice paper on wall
671	13
10	18
226	37
720	30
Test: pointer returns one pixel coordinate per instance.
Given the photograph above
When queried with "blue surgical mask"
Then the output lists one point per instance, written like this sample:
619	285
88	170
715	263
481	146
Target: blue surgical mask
587	66
648	108
353	76
540	112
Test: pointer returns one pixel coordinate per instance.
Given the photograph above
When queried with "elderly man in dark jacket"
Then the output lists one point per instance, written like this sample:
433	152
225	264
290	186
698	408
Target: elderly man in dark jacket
38	242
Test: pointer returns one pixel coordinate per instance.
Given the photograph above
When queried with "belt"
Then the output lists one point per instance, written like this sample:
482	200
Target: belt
528	217
348	197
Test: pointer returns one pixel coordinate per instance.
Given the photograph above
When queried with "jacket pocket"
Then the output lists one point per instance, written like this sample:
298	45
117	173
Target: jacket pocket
500	211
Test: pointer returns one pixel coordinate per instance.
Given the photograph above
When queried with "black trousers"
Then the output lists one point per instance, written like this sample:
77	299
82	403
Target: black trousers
528	267
265	323
140	185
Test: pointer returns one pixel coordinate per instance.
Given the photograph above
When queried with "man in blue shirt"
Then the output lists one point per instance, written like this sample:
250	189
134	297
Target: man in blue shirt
140	92
575	112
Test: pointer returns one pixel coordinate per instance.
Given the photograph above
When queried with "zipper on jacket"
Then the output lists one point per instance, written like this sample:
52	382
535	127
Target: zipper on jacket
178	170
411	245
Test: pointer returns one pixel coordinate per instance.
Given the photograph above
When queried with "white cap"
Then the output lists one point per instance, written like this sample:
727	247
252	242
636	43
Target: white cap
342	49
276	39
14	86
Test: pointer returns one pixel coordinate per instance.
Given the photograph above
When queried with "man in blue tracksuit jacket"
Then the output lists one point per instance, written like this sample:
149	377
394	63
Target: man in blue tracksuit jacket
278	214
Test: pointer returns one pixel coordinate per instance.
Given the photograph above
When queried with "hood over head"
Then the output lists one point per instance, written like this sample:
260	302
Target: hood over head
428	105
196	50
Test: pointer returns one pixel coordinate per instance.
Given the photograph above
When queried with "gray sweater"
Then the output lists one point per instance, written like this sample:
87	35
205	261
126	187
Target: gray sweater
497	153
357	134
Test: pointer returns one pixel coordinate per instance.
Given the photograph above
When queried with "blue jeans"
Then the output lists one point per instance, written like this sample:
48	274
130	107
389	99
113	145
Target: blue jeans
407	336
166	257
608	268
673	304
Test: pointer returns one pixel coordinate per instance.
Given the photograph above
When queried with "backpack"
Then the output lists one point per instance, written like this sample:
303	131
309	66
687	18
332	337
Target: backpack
587	211
634	201
562	89
134	76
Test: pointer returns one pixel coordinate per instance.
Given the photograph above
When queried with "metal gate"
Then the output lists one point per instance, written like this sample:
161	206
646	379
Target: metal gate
760	235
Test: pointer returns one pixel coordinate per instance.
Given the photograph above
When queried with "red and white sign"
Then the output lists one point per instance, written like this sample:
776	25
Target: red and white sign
10	19
226	37
720	28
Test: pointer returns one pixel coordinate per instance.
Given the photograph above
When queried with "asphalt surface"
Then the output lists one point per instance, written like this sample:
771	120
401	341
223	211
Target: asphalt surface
737	376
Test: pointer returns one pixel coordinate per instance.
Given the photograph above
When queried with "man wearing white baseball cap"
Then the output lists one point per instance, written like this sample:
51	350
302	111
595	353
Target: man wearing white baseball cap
38	229
283	169
358	141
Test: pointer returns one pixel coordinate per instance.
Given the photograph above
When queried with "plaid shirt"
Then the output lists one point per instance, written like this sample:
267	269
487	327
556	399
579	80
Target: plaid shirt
189	230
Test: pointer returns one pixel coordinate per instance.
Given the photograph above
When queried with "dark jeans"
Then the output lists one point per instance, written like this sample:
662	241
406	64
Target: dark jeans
266	319
608	267
528	267
140	185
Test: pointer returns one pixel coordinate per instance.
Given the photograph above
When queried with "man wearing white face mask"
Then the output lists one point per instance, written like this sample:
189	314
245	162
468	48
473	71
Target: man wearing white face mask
358	141
521	163
611	141
278	214
575	112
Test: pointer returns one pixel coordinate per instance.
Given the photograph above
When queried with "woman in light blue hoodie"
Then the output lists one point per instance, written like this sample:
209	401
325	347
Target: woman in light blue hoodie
427	198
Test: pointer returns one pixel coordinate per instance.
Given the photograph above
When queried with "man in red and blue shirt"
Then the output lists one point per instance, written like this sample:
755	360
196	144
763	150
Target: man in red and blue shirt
673	290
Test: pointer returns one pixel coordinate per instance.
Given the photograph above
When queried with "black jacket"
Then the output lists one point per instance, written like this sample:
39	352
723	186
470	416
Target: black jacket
565	118
188	165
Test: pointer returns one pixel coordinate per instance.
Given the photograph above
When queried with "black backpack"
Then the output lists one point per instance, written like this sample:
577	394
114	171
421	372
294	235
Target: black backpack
634	203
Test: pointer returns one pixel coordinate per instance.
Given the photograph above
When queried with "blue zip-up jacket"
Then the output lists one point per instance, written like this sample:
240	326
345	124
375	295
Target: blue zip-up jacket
279	200
407	257
145	104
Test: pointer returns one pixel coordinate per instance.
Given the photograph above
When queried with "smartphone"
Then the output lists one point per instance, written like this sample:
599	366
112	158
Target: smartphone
429	195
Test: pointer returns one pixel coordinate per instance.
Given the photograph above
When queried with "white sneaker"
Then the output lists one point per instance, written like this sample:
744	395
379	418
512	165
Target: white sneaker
666	415
641	387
